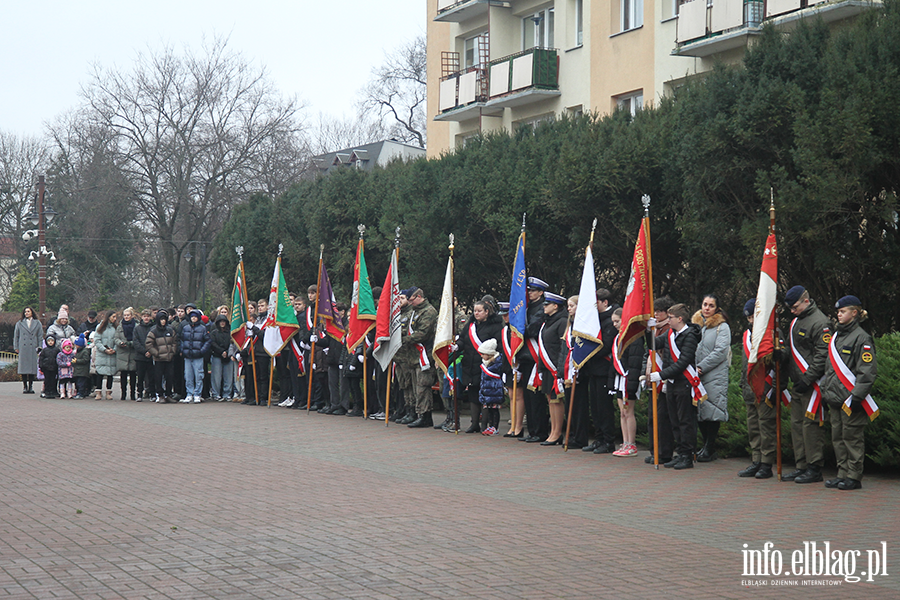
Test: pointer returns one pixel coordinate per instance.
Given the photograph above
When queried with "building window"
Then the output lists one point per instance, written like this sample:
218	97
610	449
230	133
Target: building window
579	22
631	103
531	123
632	14
471	52
537	29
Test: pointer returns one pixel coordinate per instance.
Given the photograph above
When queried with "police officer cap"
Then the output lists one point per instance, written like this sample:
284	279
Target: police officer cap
848	301
504	307
749	307
551	298
793	295
538	284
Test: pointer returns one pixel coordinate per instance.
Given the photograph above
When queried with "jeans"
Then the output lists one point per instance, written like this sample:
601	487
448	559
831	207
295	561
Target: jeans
193	376
222	374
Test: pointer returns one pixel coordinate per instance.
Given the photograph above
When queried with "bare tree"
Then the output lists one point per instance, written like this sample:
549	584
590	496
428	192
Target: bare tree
21	160
193	134
397	92
331	134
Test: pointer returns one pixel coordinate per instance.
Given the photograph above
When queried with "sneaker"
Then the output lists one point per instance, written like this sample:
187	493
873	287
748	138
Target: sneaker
379	416
222	399
620	451
490	431
159	400
197	400
185	400
138	399
629	450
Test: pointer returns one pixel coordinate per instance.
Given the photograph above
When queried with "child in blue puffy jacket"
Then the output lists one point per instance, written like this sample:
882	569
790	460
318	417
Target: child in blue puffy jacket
490	394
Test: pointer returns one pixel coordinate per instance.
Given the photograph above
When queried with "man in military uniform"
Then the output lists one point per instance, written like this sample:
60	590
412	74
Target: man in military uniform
402	372
418	336
760	413
806	353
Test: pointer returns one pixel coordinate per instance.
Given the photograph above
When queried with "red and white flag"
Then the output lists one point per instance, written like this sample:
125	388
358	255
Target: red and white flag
387	319
443	335
762	341
638	306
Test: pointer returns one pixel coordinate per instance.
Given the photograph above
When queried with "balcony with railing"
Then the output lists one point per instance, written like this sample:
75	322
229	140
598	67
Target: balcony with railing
457	11
705	27
515	80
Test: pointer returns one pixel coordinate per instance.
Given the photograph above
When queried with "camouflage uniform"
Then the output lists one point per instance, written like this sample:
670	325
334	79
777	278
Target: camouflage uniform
403	372
420	330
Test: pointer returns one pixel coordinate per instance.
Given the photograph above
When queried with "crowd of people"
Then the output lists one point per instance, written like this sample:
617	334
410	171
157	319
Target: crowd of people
180	354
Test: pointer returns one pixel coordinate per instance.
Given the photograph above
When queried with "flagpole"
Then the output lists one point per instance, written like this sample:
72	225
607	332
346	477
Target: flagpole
453	392
654	391
775	347
362	230
240	253
575	374
512	364
390	374
312	349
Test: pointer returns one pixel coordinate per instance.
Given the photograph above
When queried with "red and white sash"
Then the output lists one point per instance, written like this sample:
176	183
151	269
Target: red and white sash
299	354
569	364
473	337
309	320
848	380
814	410
770	377
489	373
548	362
424	363
534	380
621	373
698	392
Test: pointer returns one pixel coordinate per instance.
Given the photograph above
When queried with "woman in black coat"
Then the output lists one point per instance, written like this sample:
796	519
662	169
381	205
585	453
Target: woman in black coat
483	325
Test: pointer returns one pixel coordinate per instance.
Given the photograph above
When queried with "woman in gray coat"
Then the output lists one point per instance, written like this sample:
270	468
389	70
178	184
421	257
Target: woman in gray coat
27	342
713	360
125	354
105	347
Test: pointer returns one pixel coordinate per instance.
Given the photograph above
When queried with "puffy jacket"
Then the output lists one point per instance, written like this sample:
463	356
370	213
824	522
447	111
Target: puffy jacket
714	359
125	348
161	342
61	332
220	339
82	362
105	363
194	340
491	390
47	359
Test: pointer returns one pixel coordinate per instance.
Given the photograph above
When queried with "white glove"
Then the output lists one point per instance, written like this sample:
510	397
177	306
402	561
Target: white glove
518	376
305	346
642	379
562	384
314	366
651	322
361	358
352	367
454	347
341	367
313	338
325	350
249	325
654	377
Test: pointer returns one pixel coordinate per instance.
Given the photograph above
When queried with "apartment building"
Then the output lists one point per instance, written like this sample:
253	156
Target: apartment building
505	64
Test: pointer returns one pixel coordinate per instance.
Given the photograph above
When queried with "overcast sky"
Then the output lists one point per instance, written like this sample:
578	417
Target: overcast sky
322	52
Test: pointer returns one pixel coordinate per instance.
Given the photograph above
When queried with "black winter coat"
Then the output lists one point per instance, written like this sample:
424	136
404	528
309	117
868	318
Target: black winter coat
686	341
470	374
220	339
632	363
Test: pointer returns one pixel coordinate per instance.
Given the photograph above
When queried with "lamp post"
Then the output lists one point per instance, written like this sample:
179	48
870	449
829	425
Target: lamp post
188	257
40	218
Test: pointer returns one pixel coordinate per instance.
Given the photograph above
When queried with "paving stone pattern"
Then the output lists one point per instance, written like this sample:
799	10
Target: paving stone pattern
110	499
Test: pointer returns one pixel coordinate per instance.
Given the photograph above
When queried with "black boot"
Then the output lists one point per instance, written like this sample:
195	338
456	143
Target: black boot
424	420
811	475
475	412
751	470
765	472
685	462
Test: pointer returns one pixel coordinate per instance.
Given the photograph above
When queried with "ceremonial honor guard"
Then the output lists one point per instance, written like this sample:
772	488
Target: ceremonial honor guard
596	374
760	414
849	375
684	390
552	385
419	337
529	359
808	338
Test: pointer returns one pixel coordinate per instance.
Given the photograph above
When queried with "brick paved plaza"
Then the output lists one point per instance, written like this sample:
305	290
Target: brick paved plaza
115	499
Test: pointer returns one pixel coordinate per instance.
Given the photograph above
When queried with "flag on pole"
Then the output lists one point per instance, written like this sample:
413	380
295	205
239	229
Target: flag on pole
638	308
281	320
387	321
443	335
518	299
362	304
239	315
586	326
762	341
328	308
